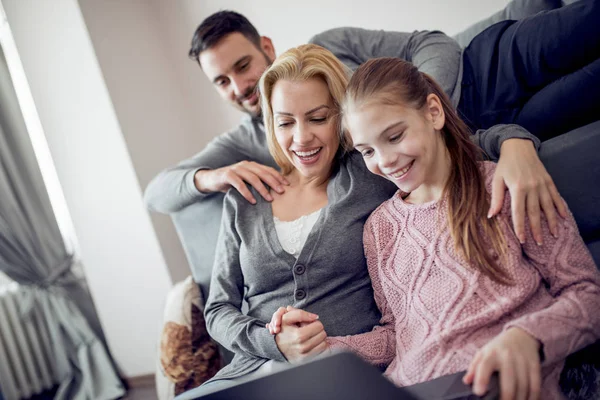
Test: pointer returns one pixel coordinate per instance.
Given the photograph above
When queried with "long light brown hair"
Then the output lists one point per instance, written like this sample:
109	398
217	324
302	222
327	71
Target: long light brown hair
393	81
302	63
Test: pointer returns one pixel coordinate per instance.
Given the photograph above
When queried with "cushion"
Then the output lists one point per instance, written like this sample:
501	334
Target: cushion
516	9
188	356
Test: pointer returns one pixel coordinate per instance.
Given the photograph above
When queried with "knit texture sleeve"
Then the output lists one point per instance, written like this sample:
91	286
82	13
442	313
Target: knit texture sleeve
379	345
224	319
572	321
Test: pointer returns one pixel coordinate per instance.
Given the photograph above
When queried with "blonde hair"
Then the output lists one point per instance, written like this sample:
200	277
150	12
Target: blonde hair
302	63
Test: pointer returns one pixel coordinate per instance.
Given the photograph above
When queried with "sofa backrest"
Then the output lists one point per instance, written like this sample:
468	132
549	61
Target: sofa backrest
198	228
572	161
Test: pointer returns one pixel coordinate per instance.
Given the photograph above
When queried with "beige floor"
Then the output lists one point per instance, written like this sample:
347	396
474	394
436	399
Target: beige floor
145	393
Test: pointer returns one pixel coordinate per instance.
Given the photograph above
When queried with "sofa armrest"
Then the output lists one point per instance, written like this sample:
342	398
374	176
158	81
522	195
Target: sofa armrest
572	161
198	228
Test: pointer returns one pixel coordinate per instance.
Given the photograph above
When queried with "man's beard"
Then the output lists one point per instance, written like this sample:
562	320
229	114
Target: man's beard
240	100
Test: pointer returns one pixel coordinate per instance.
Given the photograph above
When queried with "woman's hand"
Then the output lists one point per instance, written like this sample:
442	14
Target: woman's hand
515	355
303	317
299	334
274	326
531	189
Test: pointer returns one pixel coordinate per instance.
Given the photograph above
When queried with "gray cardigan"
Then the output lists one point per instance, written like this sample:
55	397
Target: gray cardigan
330	277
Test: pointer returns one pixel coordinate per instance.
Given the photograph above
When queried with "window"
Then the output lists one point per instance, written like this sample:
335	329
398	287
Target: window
36	134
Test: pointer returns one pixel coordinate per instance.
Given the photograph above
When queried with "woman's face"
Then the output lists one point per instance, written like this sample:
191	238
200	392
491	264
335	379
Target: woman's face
400	143
305	125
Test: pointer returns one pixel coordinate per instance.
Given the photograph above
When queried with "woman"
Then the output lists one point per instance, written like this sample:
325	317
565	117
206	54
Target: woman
289	251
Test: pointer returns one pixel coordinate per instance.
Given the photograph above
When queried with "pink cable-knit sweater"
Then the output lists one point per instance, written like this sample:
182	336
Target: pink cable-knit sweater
437	311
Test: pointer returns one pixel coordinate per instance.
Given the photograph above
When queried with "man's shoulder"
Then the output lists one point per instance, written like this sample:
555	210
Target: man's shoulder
247	126
339	35
247	133
319	38
356	35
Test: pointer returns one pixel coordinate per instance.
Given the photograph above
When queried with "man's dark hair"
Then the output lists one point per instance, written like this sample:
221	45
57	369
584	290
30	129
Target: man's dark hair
216	27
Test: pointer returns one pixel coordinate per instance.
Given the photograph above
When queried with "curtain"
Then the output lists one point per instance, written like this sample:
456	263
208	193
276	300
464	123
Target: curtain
32	253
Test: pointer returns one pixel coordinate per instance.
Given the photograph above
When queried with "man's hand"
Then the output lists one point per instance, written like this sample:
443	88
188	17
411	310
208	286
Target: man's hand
301	335
237	175
531	188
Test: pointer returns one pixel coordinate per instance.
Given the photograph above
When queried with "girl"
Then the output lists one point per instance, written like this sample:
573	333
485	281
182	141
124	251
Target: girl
456	289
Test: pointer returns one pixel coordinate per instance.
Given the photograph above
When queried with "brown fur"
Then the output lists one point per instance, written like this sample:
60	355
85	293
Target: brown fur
189	358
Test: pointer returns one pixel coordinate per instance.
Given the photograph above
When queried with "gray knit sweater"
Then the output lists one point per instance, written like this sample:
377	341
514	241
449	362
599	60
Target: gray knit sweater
329	278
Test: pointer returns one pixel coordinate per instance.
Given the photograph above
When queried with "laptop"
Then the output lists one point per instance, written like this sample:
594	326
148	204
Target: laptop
346	376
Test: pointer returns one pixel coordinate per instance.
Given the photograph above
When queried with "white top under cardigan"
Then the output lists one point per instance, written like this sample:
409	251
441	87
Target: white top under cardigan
293	234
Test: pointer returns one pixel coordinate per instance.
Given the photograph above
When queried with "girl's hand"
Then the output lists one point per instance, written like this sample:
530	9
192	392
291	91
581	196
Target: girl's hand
515	355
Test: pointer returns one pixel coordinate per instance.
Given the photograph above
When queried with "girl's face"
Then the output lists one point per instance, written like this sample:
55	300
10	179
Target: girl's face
305	125
403	144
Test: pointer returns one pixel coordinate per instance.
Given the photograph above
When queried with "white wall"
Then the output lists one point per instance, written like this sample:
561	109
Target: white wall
121	256
149	101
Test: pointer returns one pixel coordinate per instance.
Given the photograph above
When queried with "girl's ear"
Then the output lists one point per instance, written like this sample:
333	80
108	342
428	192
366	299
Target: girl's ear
435	111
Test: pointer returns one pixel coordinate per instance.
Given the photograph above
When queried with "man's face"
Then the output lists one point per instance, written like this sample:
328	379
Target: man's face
234	65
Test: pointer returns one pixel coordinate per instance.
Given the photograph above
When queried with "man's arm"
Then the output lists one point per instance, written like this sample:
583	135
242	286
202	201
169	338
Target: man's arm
491	140
432	52
232	159
521	171
175	188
